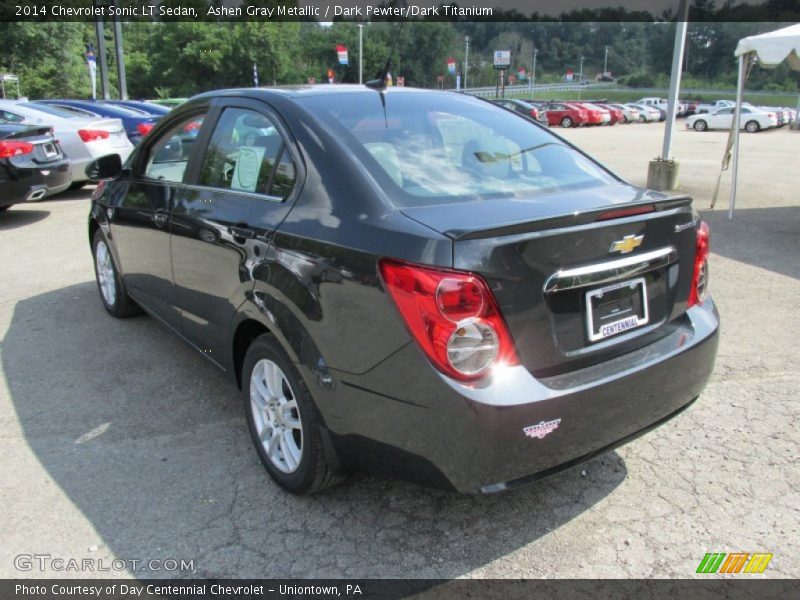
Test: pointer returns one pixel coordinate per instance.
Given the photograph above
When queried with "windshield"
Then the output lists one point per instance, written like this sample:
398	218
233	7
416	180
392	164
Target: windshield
429	148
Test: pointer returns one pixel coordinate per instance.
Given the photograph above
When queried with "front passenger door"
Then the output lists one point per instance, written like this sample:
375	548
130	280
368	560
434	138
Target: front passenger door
141	222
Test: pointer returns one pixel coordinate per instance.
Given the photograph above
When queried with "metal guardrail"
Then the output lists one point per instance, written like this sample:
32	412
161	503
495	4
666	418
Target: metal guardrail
489	91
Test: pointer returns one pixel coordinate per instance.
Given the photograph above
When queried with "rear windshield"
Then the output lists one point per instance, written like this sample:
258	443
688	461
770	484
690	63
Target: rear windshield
430	148
50	110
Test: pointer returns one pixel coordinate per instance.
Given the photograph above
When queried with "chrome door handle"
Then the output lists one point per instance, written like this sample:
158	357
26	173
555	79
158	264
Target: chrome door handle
160	218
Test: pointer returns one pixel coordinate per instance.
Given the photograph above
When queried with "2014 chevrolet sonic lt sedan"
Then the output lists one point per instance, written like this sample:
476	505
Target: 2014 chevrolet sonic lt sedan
411	282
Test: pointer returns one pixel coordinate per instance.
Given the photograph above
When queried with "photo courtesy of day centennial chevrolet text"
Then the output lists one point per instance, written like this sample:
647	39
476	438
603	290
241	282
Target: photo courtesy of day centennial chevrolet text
415	283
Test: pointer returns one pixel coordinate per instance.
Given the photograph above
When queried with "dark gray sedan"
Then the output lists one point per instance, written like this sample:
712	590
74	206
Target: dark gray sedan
411	282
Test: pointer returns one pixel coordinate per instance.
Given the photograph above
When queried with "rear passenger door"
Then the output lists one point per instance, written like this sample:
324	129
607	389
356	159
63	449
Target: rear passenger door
240	190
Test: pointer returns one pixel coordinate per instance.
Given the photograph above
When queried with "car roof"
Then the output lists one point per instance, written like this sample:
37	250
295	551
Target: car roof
300	91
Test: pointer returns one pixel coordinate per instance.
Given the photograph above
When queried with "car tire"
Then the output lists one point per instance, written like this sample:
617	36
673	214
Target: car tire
113	295
700	125
642	119
283	421
752	127
76	185
566	122
2	208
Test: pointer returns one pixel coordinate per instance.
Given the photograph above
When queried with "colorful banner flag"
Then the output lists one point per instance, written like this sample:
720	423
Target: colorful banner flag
342	52
451	66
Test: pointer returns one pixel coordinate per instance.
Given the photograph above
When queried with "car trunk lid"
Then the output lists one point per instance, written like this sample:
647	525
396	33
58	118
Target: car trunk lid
562	267
46	149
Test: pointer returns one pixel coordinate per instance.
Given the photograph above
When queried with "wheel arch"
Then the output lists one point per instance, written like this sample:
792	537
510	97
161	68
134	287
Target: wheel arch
260	316
244	334
94	226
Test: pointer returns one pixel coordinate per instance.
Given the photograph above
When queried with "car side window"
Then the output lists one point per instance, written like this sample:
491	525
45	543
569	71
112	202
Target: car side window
11	117
168	156
247	153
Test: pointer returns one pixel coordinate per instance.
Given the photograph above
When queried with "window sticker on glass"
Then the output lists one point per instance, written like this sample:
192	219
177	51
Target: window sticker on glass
245	174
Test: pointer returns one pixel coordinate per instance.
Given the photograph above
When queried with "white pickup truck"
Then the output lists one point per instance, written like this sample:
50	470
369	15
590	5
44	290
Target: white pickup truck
662	103
710	107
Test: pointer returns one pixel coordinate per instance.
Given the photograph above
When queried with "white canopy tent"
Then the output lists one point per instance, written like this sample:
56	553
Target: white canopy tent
771	49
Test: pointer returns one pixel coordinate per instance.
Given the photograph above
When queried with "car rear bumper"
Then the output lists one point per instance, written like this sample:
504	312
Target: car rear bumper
19	185
436	431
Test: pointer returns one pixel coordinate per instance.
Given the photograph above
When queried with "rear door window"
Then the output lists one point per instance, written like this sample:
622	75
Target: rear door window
246	153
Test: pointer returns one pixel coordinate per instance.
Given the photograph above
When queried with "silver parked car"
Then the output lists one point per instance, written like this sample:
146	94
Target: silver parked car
82	139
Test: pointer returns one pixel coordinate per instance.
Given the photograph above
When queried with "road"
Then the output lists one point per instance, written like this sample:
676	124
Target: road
118	442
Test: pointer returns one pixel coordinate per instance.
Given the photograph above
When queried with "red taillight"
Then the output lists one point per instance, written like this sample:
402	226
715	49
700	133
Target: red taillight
145	128
91	135
453	317
700	276
534	113
193	126
12	148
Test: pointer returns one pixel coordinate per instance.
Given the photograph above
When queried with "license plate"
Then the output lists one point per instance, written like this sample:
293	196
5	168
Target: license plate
119	139
616	308
50	150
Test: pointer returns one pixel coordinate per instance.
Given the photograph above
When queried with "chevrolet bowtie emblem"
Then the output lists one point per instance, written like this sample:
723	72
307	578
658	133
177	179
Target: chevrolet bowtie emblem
627	244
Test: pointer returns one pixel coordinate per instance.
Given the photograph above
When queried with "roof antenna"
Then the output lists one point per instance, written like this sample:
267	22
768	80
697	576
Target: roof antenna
380	83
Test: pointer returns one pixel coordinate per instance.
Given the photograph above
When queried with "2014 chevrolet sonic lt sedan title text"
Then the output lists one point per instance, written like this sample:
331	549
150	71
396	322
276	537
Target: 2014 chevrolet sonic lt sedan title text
411	282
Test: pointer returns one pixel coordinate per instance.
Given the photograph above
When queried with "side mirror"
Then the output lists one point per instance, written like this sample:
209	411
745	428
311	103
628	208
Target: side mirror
105	167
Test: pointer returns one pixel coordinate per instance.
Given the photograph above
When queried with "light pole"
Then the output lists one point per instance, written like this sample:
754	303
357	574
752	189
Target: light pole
605	63
580	80
121	80
360	53
533	69
466	60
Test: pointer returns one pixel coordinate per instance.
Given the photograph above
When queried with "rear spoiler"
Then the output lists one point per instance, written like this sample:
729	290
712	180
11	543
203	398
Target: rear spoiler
32	131
571	219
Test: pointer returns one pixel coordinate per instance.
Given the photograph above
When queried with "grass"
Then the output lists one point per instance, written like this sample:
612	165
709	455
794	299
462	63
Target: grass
631	95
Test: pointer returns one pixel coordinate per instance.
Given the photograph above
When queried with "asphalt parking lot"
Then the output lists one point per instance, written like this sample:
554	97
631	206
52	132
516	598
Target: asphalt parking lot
118	441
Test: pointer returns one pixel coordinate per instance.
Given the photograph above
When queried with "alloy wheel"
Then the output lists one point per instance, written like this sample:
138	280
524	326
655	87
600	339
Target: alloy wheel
105	273
276	417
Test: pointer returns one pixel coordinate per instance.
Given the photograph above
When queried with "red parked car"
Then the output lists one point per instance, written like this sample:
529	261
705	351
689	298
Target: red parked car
616	114
566	114
598	115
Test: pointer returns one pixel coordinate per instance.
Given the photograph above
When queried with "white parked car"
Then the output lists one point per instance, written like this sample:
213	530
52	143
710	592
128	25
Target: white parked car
647	114
753	119
82	140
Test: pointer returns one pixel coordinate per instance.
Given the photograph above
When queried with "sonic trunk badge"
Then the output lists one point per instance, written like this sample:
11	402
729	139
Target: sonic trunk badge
627	244
541	429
